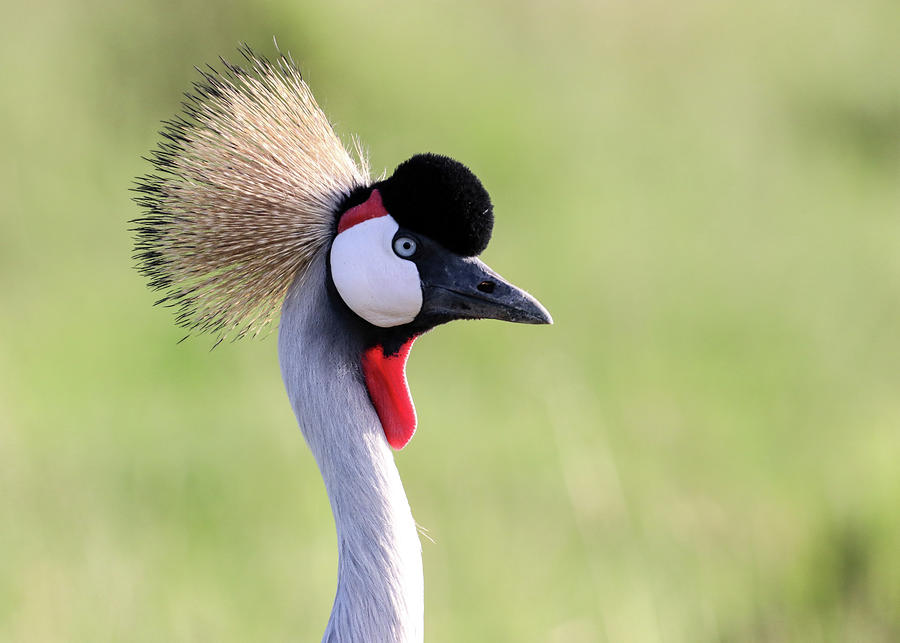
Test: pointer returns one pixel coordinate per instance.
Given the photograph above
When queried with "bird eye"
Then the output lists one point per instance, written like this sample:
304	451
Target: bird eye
405	247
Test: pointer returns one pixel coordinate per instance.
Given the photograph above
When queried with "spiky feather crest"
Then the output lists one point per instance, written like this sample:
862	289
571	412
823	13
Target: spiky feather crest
247	184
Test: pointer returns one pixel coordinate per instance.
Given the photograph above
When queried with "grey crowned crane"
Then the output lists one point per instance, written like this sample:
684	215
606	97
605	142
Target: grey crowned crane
256	204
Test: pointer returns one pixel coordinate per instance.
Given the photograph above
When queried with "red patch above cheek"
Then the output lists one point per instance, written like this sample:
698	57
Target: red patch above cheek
386	381
371	208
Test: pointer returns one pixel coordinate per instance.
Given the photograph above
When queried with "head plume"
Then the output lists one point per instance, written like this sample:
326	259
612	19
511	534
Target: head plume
246	187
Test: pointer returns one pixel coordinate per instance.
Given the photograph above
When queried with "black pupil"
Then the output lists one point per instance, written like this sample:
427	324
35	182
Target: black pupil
406	245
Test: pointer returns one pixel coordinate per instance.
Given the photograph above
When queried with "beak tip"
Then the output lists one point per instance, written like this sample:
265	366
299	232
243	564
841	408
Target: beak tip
538	314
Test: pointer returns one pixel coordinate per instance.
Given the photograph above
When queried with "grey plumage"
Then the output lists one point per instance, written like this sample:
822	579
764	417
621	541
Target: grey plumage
380	588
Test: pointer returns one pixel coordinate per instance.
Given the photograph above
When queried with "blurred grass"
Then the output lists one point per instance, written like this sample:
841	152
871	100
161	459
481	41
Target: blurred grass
703	448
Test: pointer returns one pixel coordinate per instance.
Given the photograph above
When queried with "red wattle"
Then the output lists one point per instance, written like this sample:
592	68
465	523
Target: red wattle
371	208
386	380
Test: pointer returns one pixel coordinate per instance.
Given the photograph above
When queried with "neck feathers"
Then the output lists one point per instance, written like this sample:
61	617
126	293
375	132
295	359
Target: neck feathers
379	594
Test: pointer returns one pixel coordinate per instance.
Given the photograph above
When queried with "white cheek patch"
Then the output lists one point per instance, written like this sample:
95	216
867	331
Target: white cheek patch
375	283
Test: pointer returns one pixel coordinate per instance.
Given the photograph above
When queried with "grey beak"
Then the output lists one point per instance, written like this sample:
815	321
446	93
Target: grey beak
466	288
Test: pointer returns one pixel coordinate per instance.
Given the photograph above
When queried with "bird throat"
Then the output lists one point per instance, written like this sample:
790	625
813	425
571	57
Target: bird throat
385	376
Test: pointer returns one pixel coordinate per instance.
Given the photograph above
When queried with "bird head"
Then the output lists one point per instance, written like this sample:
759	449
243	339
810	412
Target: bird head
404	260
251	184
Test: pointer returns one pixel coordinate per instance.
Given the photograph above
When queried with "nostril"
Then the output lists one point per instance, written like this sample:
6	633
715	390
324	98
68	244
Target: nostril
486	286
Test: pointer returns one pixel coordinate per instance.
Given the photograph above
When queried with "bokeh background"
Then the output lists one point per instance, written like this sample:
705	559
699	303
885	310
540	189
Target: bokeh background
703	448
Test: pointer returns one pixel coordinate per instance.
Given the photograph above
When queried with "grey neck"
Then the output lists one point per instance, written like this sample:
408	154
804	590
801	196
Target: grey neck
380	592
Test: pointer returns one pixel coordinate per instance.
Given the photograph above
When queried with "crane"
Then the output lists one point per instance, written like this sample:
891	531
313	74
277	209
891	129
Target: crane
254	206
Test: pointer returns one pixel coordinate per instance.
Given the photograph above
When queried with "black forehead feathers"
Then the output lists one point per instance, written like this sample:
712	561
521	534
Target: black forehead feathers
441	199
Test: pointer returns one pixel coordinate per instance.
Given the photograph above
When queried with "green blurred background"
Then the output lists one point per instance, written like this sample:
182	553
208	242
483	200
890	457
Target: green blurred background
703	448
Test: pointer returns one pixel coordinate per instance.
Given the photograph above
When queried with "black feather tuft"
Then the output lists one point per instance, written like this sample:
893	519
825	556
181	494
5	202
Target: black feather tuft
442	199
